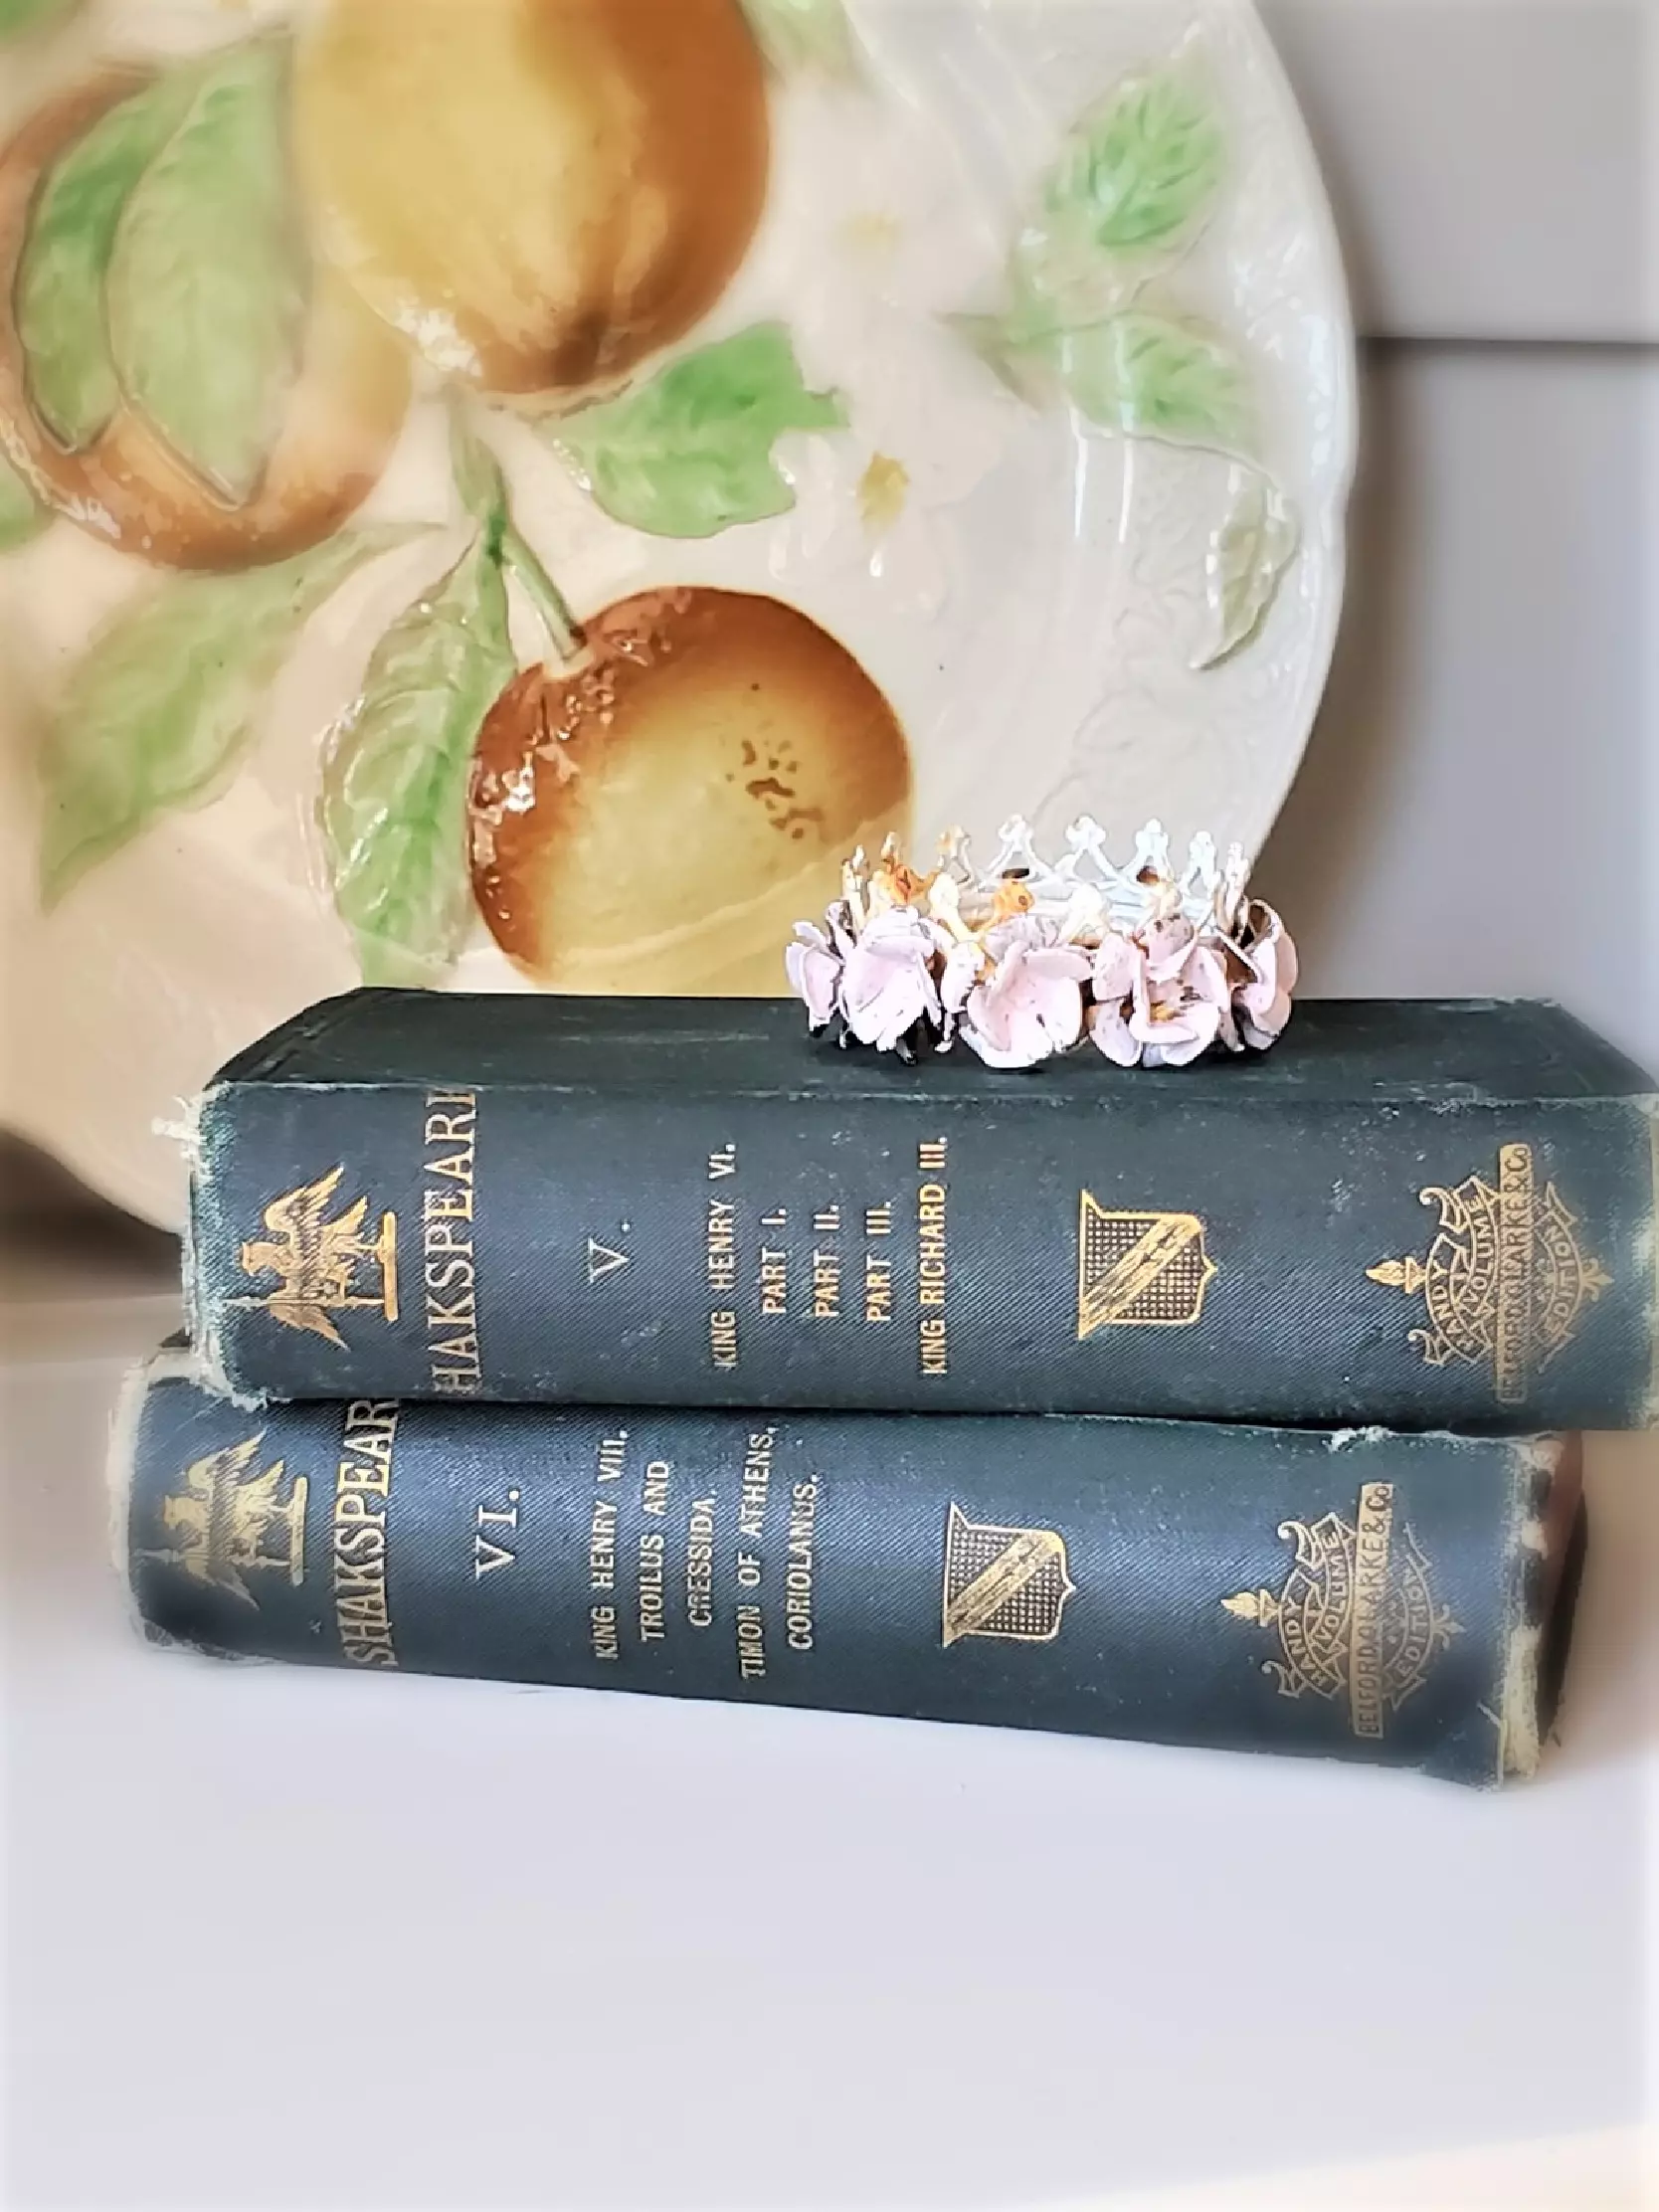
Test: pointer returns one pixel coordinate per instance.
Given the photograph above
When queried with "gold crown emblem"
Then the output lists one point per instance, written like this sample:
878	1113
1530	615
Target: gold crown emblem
1009	1583
229	1523
317	1260
1506	1279
1357	1617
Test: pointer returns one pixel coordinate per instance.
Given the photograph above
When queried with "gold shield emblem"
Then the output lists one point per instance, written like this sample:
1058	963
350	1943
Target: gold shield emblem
1357	1617
1010	1582
1506	1279
324	1266
228	1522
1139	1270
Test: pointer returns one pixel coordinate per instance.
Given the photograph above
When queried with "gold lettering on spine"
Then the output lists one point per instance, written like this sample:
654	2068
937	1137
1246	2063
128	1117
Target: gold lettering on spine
602	1546
721	1264
827	1284
362	1491
603	1635
720	1238
1512	1337
450	1265
653	1613
1367	1664
699	1564
751	1644
799	1570
757	1482
490	1552
932	1197
878	1266
613	1456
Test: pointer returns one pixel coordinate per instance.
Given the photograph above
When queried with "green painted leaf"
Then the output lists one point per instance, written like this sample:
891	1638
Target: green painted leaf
1248	556
1144	167
72	232
1134	183
394	792
805	35
206	294
476	471
165	701
690	453
21	513
1151	377
18	16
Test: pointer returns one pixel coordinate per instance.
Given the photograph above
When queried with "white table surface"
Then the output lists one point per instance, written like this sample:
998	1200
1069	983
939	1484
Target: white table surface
297	1940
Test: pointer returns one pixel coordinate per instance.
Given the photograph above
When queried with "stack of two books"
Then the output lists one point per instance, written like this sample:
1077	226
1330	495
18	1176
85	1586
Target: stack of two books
650	1345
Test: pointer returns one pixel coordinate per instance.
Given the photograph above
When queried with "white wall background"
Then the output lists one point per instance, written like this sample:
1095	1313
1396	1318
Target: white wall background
1479	810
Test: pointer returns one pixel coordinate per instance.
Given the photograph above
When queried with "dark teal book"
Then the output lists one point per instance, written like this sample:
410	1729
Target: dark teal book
1431	1216
1399	1600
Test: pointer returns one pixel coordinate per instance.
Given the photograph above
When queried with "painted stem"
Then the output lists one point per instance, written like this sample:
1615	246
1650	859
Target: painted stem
563	631
484	490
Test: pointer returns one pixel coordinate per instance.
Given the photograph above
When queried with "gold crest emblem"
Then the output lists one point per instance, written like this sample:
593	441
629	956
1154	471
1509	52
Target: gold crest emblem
1506	1279
228	1522
1139	1270
318	1261
1010	1582
1357	1617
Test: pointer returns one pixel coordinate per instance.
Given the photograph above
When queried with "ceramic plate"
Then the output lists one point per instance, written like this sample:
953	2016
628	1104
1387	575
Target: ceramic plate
505	493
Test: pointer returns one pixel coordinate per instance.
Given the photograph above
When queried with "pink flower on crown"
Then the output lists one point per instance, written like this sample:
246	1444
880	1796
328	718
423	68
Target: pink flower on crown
1032	1004
1119	973
1178	1018
814	961
1208	981
887	983
1263	1002
1167	944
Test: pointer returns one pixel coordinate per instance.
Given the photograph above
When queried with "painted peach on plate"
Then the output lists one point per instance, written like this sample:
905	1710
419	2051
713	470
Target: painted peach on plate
538	193
658	818
341	416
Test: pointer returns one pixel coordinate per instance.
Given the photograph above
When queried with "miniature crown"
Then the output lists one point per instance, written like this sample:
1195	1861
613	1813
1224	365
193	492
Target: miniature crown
1024	959
1086	892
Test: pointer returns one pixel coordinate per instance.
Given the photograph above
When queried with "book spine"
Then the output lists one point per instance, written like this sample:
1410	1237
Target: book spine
1420	1264
1376	1598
